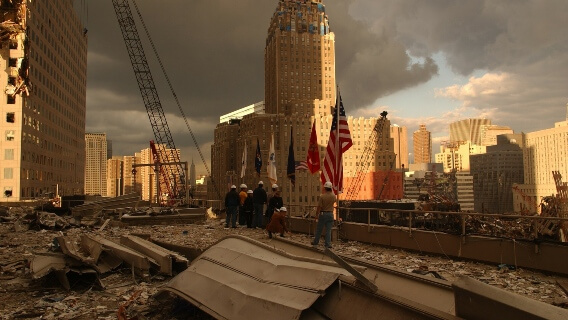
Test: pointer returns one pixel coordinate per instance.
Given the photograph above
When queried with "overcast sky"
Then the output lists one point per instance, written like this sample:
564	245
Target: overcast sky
431	62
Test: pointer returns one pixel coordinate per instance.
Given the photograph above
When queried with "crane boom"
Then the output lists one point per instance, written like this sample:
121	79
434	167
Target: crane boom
364	160
171	179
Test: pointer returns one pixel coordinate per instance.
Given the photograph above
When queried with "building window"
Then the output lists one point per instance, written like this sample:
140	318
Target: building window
10	134
10	117
11	99
9	154
8	173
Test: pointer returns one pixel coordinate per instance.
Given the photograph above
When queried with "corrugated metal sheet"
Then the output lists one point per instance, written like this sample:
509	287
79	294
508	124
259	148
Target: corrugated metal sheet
239	278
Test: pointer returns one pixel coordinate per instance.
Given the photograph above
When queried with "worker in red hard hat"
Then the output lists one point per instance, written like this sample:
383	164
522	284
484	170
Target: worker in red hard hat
324	215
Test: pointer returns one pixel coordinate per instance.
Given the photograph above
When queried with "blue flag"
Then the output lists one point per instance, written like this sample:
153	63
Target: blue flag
291	169
258	158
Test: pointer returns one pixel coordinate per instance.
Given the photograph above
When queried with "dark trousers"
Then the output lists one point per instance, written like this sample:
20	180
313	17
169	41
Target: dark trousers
242	216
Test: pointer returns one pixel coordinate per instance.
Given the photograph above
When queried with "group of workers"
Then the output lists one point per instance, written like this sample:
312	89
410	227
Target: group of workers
249	206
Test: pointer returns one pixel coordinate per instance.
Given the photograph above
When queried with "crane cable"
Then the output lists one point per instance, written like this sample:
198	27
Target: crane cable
175	96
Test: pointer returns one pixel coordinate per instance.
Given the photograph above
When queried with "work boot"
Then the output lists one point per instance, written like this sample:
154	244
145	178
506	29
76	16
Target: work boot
269	234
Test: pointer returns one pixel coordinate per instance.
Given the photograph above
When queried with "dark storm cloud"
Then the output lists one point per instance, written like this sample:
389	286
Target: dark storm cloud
520	46
370	65
213	52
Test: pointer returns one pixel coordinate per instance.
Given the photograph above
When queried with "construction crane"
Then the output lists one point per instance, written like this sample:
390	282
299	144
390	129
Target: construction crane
364	160
163	149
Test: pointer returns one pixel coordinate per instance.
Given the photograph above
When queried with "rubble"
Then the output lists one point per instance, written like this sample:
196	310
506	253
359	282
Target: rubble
45	297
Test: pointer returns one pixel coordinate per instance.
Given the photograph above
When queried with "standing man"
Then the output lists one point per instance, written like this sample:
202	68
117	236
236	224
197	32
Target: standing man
259	199
324	215
232	203
242	197
249	208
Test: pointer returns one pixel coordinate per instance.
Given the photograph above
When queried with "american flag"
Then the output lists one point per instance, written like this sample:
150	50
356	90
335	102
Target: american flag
301	165
339	142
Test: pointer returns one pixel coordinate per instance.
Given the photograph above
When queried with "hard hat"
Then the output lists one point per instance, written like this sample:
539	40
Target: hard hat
243	186
327	185
283	209
250	191
233	187
260	182
275	186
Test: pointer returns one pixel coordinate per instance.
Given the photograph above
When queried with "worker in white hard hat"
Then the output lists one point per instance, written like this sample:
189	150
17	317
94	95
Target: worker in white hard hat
274	202
231	204
278	222
324	214
242	197
259	198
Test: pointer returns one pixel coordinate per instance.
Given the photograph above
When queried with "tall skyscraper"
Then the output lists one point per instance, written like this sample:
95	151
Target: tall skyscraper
422	145
468	130
192	177
545	151
115	176
299	91
42	143
399	136
130	182
299	60
96	165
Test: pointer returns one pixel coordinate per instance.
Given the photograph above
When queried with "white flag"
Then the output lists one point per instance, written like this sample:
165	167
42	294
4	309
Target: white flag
244	161
271	166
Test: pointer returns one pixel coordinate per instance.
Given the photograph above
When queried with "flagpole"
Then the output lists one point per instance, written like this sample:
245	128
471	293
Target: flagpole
337	146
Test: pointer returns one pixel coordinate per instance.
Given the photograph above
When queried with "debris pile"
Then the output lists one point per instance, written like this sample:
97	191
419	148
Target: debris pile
103	273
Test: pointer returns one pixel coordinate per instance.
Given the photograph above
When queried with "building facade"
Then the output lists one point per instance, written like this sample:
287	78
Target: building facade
299	91
468	130
399	136
299	60
495	172
115	177
42	144
96	164
130	184
489	134
422	145
455	156
545	151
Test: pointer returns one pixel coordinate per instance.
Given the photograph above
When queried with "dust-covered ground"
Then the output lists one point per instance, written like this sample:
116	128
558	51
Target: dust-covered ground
21	297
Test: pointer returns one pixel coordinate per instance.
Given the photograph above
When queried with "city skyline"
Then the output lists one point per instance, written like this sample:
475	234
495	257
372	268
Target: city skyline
372	68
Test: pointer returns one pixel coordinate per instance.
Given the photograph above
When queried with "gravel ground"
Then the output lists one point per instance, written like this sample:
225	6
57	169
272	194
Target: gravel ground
22	297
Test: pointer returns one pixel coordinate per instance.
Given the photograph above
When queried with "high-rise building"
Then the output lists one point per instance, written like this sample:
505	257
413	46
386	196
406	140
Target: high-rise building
96	166
422	145
494	173
42	127
130	183
455	156
299	60
545	151
468	130
489	133
399	136
115	176
299	91
146	175
192	176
